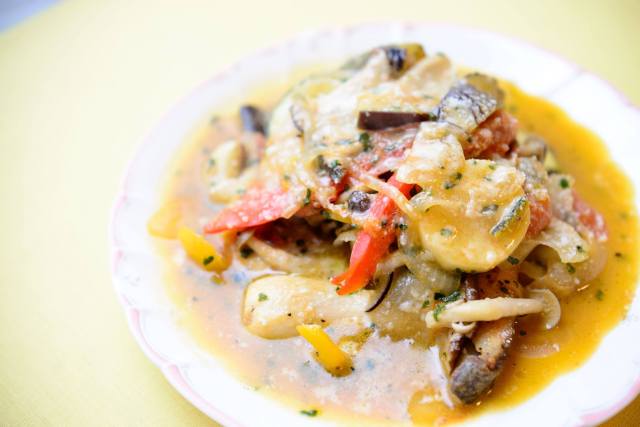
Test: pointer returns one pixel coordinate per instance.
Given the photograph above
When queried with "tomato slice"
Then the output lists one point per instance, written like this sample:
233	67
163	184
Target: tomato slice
258	206
591	218
540	214
372	243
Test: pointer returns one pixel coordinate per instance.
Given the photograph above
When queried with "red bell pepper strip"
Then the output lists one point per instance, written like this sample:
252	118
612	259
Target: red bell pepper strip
258	206
372	243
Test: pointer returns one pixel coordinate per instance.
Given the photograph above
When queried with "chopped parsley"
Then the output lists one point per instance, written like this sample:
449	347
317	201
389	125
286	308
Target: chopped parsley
453	296
307	197
446	232
513	260
309	412
564	183
512	214
448	185
489	209
208	260
457	176
492	166
579	248
438	310
571	269
262	297
599	295
365	139
425	304
335	171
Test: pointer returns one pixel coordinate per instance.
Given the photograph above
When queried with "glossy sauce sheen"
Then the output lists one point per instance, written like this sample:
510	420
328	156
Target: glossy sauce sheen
394	380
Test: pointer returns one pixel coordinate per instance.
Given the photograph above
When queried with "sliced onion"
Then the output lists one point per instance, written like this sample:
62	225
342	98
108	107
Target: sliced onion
565	240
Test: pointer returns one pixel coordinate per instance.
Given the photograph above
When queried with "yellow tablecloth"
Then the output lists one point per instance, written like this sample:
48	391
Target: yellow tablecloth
79	85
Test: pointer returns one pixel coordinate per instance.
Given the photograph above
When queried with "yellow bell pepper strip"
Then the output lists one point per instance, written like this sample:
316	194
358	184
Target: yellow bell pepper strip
164	223
330	356
372	243
201	251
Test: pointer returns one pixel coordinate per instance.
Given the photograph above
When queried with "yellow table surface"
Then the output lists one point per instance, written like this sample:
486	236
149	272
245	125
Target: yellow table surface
79	85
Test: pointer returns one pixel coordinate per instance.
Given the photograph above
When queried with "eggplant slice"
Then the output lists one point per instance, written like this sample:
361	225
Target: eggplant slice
253	119
481	358
466	107
378	120
400	58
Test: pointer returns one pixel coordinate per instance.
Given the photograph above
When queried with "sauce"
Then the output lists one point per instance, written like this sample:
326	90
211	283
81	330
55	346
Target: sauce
397	380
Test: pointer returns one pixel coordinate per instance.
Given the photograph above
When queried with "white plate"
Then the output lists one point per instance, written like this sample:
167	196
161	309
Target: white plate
601	387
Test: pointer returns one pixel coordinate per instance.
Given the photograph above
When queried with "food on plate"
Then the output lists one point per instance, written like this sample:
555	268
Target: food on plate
392	215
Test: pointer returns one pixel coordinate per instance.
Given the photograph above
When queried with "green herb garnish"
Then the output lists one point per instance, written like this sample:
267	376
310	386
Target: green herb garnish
438	310
599	295
453	296
564	183
446	232
307	197
512	260
262	297
365	139
571	269
448	185
489	209
511	214
208	260
309	412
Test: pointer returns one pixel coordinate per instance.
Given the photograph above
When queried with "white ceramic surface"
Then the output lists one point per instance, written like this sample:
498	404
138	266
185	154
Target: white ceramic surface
586	396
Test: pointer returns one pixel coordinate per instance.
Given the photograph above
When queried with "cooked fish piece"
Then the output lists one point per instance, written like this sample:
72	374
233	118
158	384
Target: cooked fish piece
481	363
481	359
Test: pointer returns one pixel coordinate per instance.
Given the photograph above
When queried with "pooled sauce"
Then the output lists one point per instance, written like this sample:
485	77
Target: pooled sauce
395	381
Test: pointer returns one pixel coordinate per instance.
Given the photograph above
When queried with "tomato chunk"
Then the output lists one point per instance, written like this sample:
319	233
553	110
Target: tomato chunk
494	135
591	218
540	214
